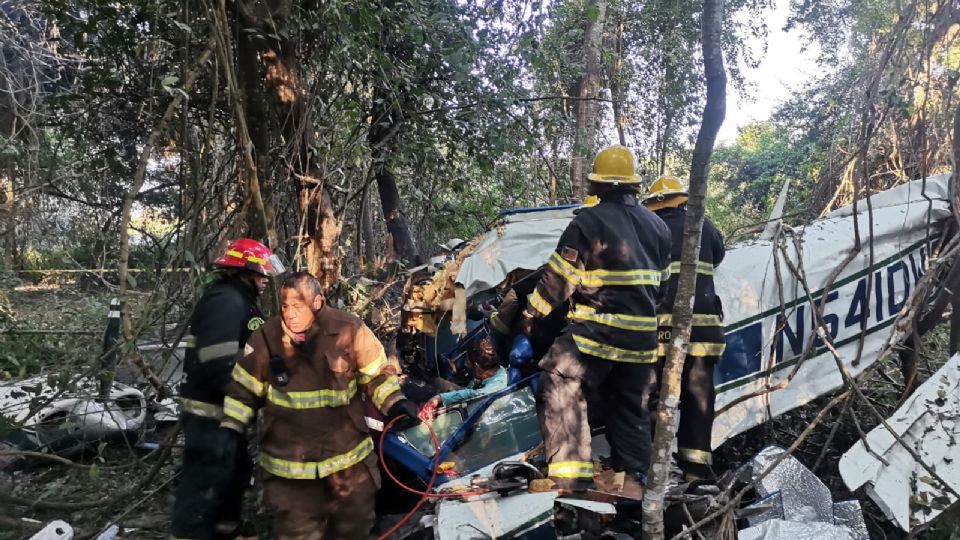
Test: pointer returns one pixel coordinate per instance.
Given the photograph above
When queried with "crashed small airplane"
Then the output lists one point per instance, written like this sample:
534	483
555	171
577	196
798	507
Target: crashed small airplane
776	357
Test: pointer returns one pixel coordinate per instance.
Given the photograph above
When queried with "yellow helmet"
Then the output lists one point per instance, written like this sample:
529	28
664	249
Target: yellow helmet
666	192
615	165
589	202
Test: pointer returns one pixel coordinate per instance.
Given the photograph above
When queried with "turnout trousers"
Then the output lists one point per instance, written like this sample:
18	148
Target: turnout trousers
697	398
209	497
630	402
336	507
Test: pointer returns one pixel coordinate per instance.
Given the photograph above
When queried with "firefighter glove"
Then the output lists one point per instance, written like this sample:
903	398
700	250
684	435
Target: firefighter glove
521	351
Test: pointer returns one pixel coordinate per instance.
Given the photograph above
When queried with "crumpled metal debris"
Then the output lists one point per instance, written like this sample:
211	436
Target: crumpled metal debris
55	530
850	514
803	497
792	530
794	504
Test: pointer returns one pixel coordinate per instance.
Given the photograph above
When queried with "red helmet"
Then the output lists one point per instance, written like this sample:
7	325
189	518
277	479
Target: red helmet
250	255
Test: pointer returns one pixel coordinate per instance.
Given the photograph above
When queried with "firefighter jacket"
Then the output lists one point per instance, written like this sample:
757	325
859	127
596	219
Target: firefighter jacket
314	425
706	335
508	313
222	320
610	261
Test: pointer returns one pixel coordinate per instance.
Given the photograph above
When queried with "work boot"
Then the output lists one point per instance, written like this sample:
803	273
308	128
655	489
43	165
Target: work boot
621	484
566	486
543	485
633	485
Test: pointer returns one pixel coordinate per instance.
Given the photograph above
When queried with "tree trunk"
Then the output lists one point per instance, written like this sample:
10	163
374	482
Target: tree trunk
248	73
386	118
221	32
586	108
403	246
713	114
954	201
282	77
9	221
366	229
554	181
616	81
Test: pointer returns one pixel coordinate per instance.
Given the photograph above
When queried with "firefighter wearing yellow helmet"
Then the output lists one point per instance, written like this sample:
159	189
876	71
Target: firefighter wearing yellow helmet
610	260
668	198
666	192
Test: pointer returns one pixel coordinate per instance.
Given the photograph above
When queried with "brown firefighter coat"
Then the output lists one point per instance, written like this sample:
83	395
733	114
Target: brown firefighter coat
314	425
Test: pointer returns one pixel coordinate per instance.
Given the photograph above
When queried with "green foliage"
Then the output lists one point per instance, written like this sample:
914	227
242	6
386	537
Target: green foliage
53	310
753	168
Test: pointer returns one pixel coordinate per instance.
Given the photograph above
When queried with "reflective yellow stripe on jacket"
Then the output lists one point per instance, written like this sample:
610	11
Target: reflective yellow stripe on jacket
616	354
538	303
606	278
248	381
384	391
312	399
566	270
570	469
237	410
373	369
601	278
617	320
696	349
226	349
309	470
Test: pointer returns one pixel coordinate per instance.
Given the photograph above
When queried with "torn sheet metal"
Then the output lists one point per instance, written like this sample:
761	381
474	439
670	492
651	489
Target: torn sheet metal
765	341
527	514
928	422
778	529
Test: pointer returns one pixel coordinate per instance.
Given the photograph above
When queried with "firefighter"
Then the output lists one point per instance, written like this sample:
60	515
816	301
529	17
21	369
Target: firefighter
302	372
504	323
668	200
610	260
214	476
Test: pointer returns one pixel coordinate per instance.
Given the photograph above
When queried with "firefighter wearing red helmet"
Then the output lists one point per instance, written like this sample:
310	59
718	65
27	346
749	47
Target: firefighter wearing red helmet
216	467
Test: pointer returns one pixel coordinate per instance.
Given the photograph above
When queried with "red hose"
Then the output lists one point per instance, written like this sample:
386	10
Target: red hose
424	495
